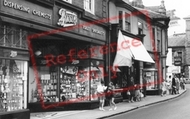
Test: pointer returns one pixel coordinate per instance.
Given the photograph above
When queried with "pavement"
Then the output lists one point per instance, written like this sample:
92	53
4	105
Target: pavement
97	114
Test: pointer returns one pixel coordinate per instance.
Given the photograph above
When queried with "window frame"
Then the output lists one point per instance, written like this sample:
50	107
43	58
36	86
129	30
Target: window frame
87	3
140	29
120	15
127	22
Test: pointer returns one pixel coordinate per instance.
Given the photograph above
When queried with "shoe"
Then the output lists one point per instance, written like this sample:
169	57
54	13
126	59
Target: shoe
110	109
115	108
100	108
103	109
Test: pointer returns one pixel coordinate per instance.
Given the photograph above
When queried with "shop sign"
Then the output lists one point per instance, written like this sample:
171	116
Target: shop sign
92	30
67	18
177	61
31	10
13	53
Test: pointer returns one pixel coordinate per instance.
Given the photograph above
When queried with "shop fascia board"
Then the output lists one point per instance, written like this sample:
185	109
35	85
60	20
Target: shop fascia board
45	29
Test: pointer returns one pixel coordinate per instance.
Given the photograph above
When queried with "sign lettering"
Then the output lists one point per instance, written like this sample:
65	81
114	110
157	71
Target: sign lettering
67	18
93	30
177	61
23	8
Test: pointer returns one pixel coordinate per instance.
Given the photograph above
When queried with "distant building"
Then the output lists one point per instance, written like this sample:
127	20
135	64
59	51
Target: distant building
179	43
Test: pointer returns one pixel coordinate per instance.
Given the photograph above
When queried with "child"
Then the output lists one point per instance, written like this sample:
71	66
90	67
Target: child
110	96
100	91
164	89
138	94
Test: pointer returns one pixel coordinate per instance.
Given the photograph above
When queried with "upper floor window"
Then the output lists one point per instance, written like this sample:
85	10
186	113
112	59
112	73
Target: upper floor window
127	22
121	19
89	6
140	27
69	1
158	39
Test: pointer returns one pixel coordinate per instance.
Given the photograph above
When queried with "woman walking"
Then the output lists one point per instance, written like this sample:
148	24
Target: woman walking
110	96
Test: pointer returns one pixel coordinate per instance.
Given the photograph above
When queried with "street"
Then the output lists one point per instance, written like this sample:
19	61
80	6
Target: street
172	109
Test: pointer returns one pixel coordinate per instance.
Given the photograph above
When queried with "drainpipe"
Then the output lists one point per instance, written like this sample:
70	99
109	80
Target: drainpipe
109	42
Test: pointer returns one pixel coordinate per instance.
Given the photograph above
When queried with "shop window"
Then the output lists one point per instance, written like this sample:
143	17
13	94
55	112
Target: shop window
13	84
152	80
66	82
74	84
71	83
96	76
89	5
127	22
69	1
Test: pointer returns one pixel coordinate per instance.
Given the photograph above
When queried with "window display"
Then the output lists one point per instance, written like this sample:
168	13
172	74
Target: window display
13	75
74	83
151	77
66	82
48	82
96	77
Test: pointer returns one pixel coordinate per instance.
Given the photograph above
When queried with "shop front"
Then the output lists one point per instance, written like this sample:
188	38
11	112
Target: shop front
66	68
68	81
134	69
17	19
68	64
14	59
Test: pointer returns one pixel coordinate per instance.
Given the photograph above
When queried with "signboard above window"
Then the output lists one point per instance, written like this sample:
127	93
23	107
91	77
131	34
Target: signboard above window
177	61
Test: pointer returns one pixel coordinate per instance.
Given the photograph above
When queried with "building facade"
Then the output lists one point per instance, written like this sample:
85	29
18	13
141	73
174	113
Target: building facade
151	31
52	53
178	57
176	54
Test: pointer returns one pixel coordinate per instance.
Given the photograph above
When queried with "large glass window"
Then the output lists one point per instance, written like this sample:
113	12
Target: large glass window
67	82
96	76
152	80
13	84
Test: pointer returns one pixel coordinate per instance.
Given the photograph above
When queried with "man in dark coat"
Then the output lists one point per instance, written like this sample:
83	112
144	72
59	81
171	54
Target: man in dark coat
173	85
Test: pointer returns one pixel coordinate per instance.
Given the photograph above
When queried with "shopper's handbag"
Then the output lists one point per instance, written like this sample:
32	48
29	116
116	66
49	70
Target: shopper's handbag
128	92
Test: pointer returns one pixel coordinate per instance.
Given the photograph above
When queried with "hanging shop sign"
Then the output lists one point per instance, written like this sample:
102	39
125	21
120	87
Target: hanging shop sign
67	18
27	10
177	61
92	30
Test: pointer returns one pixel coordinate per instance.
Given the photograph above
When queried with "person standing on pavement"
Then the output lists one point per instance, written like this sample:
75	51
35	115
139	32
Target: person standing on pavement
101	94
163	88
144	85
173	85
177	84
110	96
131	89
